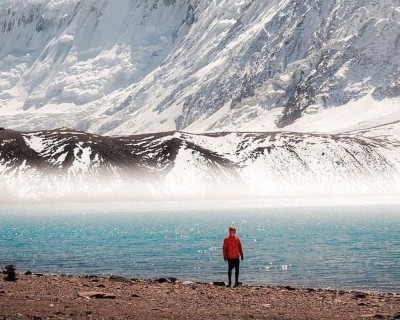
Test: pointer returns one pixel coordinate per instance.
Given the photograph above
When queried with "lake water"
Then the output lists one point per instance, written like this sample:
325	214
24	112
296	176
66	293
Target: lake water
342	246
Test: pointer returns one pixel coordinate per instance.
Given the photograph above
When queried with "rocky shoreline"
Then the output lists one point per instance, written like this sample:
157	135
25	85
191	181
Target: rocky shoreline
40	297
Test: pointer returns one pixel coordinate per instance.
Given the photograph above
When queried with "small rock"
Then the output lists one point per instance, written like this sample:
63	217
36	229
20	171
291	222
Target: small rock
101	286
360	295
187	283
374	316
135	295
219	283
28	273
119	279
289	288
96	295
162	280
156	309
172	279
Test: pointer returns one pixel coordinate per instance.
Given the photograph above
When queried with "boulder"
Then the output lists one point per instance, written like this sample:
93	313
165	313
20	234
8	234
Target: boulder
9	271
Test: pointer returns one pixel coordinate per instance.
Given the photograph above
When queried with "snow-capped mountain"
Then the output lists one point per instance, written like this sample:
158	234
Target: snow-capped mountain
70	165
226	98
140	66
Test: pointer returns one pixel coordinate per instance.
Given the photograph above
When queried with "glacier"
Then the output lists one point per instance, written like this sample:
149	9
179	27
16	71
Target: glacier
140	66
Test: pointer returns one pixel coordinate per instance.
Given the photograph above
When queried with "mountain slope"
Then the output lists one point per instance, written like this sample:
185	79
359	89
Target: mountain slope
61	165
195	65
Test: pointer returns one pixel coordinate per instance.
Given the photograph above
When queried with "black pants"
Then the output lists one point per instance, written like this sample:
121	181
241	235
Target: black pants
233	264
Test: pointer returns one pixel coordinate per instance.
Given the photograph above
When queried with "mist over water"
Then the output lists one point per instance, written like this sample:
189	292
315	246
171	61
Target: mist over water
305	243
47	189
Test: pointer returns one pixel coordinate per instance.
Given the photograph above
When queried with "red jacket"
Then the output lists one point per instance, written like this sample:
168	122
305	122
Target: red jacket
232	248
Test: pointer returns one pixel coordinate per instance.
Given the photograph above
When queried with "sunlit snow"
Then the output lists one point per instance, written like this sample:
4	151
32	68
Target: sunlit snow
126	67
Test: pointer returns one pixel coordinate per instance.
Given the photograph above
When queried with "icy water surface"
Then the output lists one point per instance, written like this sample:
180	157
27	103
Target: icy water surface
337	246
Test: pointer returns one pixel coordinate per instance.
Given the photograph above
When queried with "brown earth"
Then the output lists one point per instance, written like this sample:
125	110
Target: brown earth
90	297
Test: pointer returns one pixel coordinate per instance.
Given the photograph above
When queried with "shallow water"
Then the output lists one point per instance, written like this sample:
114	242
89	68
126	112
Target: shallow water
337	246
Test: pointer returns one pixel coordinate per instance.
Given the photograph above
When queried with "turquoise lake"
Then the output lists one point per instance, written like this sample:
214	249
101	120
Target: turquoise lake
344	246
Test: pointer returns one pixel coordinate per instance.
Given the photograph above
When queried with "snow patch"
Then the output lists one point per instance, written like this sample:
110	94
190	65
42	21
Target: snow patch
35	142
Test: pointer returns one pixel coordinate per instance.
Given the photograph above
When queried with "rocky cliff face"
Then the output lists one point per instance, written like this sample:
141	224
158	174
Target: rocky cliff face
194	65
70	165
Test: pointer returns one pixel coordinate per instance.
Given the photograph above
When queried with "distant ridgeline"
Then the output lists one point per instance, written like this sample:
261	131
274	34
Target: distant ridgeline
70	165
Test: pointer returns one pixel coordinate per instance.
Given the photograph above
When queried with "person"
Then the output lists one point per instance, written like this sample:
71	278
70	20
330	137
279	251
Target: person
232	250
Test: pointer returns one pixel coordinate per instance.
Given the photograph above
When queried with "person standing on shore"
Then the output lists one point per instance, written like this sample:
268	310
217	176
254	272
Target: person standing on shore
232	251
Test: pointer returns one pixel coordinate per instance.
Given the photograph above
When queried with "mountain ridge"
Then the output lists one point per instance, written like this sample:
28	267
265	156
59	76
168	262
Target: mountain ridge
63	164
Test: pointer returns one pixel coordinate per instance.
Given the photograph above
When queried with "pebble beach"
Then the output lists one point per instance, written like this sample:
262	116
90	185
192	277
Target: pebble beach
46	296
